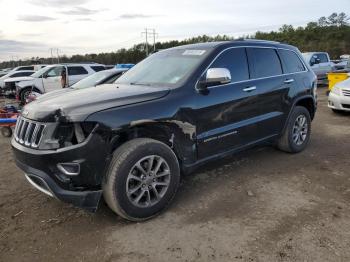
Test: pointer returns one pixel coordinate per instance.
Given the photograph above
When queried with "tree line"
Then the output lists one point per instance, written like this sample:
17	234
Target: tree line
330	34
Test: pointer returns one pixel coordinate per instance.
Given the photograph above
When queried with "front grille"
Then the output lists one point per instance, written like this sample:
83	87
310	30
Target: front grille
28	132
346	106
346	92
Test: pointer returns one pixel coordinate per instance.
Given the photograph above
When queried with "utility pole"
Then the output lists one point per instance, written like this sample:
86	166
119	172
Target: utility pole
51	49
58	56
150	32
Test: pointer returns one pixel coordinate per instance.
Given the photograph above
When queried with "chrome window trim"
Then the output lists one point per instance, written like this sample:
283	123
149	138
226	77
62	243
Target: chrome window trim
254	79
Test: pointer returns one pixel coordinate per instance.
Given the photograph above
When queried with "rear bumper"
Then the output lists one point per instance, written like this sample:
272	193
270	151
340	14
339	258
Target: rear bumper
88	200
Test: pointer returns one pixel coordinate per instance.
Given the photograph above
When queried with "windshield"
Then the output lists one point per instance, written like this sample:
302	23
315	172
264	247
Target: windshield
94	79
169	68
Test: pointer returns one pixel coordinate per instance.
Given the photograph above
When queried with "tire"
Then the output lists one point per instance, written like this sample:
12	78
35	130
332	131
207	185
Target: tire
122	170
24	94
6	131
287	142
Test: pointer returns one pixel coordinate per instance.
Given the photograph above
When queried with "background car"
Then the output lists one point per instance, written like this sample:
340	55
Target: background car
320	63
49	78
339	97
99	78
14	74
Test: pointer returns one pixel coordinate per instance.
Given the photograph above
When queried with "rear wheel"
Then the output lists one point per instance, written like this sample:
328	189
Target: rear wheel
142	179
296	136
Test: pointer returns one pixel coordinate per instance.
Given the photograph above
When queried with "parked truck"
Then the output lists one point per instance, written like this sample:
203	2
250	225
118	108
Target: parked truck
320	63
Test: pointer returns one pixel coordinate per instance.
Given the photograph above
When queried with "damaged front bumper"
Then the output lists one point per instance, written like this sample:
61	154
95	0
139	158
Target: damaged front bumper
73	175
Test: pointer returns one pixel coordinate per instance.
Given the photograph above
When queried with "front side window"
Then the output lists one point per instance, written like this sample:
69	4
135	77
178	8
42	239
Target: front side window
55	71
291	62
76	70
169	67
264	62
235	60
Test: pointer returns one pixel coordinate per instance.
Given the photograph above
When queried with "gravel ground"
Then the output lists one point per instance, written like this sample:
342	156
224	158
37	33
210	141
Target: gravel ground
260	205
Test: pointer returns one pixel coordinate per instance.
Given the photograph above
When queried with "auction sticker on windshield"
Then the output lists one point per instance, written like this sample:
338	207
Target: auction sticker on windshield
194	52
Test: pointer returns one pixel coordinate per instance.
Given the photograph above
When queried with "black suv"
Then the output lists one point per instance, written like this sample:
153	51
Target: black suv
172	112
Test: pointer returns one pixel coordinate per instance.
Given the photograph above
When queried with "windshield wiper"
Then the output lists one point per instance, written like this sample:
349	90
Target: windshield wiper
139	84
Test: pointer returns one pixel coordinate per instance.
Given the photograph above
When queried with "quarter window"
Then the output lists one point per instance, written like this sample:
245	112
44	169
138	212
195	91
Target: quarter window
264	62
235	60
77	70
291	62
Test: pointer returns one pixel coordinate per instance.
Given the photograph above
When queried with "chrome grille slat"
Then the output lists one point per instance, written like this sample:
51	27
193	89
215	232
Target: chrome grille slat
28	132
23	131
35	133
16	128
27	136
19	129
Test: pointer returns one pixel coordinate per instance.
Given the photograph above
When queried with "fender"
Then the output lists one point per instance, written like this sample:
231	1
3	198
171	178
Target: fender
293	106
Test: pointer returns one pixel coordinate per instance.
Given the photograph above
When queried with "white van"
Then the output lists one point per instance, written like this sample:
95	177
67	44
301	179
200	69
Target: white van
49	78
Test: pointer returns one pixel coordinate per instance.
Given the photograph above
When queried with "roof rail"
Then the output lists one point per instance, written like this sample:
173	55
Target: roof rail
260	40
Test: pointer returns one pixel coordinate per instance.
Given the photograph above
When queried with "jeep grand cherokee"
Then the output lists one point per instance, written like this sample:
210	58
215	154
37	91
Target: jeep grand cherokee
130	141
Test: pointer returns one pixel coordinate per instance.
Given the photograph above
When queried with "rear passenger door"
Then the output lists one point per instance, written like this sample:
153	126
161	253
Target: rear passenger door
271	91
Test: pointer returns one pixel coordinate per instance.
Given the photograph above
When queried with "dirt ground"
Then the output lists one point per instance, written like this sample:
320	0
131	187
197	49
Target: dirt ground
260	205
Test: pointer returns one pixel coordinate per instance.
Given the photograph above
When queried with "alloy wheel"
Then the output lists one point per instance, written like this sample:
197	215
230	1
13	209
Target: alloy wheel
148	181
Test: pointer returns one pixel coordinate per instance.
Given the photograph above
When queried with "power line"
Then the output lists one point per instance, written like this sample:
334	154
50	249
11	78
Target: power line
152	33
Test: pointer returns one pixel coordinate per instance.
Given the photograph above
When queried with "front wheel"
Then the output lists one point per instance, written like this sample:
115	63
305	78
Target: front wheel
142	179
296	135
24	94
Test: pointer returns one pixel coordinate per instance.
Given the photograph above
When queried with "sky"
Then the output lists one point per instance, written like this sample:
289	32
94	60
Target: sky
31	27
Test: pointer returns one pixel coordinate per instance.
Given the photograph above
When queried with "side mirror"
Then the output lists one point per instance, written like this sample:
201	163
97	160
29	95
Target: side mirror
215	76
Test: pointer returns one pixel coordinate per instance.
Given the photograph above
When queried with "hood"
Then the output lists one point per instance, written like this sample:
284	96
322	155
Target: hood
77	104
344	84
19	79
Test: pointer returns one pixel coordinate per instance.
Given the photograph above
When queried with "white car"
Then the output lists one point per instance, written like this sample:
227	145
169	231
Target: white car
49	78
339	97
14	74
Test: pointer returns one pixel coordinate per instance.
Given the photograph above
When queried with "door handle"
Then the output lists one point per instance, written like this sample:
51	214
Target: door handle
289	81
249	89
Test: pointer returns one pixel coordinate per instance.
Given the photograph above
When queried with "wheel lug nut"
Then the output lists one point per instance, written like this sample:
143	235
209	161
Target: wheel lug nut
154	180
149	187
143	185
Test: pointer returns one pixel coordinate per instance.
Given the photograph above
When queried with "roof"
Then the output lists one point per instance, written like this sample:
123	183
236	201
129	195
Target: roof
238	42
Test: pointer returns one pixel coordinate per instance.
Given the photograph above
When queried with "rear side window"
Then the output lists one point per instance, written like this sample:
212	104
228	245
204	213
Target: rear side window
264	62
98	68
235	60
77	70
291	62
22	74
25	68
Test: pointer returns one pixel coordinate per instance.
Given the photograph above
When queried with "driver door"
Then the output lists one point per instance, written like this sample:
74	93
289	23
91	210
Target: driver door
52	79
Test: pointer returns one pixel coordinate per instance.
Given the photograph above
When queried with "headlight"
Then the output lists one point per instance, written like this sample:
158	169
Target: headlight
60	135
336	90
